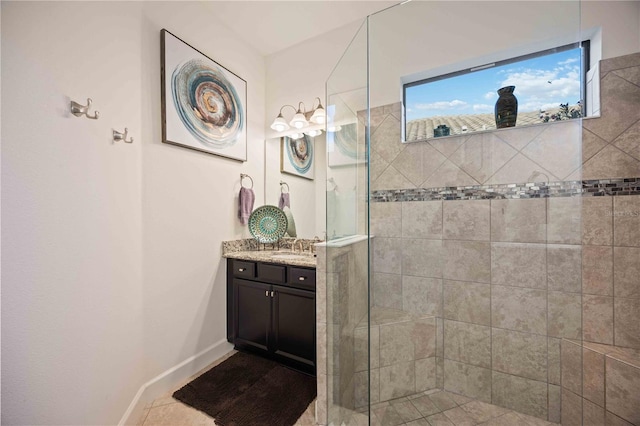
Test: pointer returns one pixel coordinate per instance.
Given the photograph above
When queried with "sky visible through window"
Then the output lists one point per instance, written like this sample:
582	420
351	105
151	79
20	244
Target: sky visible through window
541	83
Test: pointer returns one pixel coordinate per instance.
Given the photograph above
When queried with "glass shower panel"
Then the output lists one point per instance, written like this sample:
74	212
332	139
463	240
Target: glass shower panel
476	272
346	256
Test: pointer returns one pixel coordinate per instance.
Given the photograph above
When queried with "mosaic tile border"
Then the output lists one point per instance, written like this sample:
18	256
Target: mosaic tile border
585	188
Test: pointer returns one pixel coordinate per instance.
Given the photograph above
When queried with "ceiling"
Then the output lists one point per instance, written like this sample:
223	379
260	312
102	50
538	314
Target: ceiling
271	26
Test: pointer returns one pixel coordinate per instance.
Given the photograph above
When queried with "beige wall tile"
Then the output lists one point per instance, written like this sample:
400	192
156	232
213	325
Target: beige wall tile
387	290
555	404
422	219
424	337
387	255
557	148
397	380
386	219
626	271
520	169
564	267
620	107
626	329
418	161
467	260
593	376
467	380
571	408
609	163
467	343
422	295
520	354
520	394
482	155
597	318
626	218
565	315
391	178
396	343
466	220
553	360
422	258
564	217
469	302
592	414
619	62
623	390
521	136
523	221
366	348
629	141
449	175
519	309
519	264
385	139
613	420
571	366
591	144
425	374
597	270
597	220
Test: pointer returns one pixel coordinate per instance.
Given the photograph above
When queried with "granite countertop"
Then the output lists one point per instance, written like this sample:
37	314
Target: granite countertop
250	250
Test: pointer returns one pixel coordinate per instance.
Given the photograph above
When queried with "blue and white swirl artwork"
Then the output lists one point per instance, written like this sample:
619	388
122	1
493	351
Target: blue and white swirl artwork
297	156
205	104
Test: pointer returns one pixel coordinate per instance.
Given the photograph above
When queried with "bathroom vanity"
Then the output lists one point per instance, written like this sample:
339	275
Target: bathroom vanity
271	307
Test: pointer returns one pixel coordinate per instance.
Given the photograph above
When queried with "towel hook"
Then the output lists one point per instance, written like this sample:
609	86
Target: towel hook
117	136
242	176
282	184
79	110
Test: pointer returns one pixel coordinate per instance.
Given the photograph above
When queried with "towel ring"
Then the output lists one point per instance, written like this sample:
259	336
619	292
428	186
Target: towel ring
282	184
242	176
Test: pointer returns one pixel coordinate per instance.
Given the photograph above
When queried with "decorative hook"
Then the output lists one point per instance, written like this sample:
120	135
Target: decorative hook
117	136
282	184
242	176
80	110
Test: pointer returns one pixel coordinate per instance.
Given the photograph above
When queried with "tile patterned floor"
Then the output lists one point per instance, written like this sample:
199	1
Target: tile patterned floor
167	411
431	408
442	408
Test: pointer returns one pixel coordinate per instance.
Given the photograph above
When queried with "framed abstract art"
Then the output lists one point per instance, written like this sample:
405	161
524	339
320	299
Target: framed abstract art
204	105
296	156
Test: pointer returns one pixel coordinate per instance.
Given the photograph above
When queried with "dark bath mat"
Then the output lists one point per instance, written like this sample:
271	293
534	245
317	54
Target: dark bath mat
248	390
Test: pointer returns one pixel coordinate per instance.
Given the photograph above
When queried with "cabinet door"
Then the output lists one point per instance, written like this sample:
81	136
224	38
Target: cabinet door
294	327
252	314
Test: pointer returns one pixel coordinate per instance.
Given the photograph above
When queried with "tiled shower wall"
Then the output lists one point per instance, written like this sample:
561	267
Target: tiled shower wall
510	276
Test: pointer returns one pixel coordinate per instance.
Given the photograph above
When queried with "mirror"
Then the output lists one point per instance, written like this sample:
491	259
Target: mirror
306	196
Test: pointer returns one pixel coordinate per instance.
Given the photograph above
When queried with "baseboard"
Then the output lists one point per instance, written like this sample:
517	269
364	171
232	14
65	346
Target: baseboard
172	378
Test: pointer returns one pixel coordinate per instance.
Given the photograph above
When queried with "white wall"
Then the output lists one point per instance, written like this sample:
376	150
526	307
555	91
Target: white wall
299	74
111	270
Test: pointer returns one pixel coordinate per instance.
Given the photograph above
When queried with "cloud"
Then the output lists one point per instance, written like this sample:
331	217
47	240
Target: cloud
536	88
568	61
483	108
442	105
490	95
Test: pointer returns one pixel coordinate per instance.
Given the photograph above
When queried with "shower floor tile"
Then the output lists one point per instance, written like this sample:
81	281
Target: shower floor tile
442	408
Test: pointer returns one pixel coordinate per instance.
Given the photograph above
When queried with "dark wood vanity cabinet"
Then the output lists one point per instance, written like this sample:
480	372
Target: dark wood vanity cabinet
271	311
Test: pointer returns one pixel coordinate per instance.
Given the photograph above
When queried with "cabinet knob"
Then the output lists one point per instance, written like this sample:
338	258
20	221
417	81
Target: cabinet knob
241	269
271	294
302	278
266	293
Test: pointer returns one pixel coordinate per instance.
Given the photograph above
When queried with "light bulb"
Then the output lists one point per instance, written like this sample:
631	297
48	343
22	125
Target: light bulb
298	121
279	124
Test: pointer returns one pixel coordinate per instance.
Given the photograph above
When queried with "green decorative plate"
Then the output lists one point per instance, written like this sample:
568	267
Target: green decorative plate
268	224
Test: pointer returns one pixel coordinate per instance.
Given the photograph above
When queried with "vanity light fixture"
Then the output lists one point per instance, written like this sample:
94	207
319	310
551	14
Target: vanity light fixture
301	119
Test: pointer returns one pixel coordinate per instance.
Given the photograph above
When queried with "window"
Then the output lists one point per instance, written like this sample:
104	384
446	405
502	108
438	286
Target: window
549	86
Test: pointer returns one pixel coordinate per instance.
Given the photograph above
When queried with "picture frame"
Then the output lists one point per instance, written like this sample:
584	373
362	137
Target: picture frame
297	156
204	105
